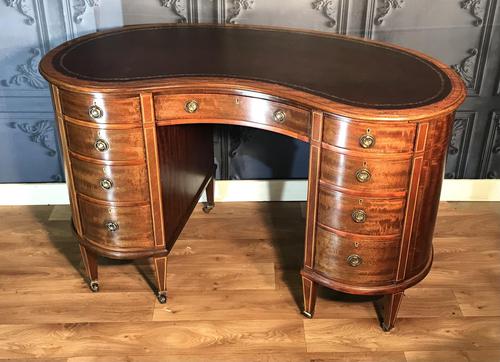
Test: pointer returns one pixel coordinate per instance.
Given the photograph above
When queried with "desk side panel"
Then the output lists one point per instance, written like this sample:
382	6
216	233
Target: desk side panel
186	165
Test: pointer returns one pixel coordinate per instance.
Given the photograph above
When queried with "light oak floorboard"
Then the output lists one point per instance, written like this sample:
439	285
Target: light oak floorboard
235	294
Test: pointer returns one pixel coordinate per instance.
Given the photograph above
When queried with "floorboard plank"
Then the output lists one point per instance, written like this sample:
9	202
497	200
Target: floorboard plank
410	334
111	339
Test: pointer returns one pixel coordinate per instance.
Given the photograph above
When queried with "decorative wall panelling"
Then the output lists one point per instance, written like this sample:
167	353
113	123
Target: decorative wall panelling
491	164
462	33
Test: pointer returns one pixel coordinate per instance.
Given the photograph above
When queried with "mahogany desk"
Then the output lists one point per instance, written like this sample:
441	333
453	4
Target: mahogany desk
135	107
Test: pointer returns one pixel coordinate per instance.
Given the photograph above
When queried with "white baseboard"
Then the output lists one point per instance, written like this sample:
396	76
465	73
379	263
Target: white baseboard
248	190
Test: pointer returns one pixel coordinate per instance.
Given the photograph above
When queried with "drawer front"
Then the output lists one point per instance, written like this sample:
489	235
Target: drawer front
365	174
232	107
85	107
354	260
111	183
369	137
133	225
360	215
122	144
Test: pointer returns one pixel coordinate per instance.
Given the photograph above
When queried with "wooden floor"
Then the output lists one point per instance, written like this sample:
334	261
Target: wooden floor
235	295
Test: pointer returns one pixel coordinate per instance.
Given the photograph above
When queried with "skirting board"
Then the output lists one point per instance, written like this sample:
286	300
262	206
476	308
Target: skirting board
248	190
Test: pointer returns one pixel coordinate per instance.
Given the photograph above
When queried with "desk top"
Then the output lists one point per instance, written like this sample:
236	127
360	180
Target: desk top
347	70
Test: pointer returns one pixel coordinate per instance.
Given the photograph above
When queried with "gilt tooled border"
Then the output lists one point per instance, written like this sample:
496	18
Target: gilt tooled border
424	101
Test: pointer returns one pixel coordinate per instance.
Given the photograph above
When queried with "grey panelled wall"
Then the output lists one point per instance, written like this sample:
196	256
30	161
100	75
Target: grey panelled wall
462	33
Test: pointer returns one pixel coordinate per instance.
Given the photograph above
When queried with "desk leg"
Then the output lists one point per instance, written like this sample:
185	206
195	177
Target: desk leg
309	290
387	309
160	263
90	263
210	204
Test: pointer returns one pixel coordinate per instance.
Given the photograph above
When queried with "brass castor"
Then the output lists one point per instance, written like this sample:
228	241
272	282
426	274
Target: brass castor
94	286
162	298
385	328
207	208
307	314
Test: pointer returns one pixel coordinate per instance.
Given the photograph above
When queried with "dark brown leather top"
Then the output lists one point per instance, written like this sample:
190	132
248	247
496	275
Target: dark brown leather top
342	69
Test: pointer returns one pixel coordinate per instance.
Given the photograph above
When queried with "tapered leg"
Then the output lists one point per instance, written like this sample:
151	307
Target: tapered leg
160	263
309	290
388	308
210	204
90	263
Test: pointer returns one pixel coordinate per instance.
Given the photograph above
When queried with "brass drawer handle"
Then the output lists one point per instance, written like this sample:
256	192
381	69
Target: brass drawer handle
191	106
101	145
111	226
363	175
279	116
354	260
106	183
95	111
359	216
367	141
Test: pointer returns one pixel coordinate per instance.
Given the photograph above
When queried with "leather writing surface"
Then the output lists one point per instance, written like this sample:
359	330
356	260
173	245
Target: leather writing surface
345	70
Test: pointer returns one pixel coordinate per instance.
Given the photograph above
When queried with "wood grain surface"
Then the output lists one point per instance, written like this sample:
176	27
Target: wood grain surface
235	295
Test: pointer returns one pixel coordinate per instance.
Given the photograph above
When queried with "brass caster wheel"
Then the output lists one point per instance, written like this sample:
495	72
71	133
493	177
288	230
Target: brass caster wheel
386	328
207	208
307	314
94	286
162	298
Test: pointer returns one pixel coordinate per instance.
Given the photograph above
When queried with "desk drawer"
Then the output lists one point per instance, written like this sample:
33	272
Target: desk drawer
232	107
111	183
360	215
369	136
106	144
119	227
356	260
85	107
363	173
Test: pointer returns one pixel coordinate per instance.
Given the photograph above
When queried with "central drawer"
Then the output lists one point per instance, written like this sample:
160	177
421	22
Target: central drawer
233	108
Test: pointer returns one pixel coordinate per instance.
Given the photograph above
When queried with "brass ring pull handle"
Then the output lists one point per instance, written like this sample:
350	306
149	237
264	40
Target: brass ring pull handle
101	145
95	112
191	106
111	226
106	183
367	141
354	260
363	175
279	116
359	216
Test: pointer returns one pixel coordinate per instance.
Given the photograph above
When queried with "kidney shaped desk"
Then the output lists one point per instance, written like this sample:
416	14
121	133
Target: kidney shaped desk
134	110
